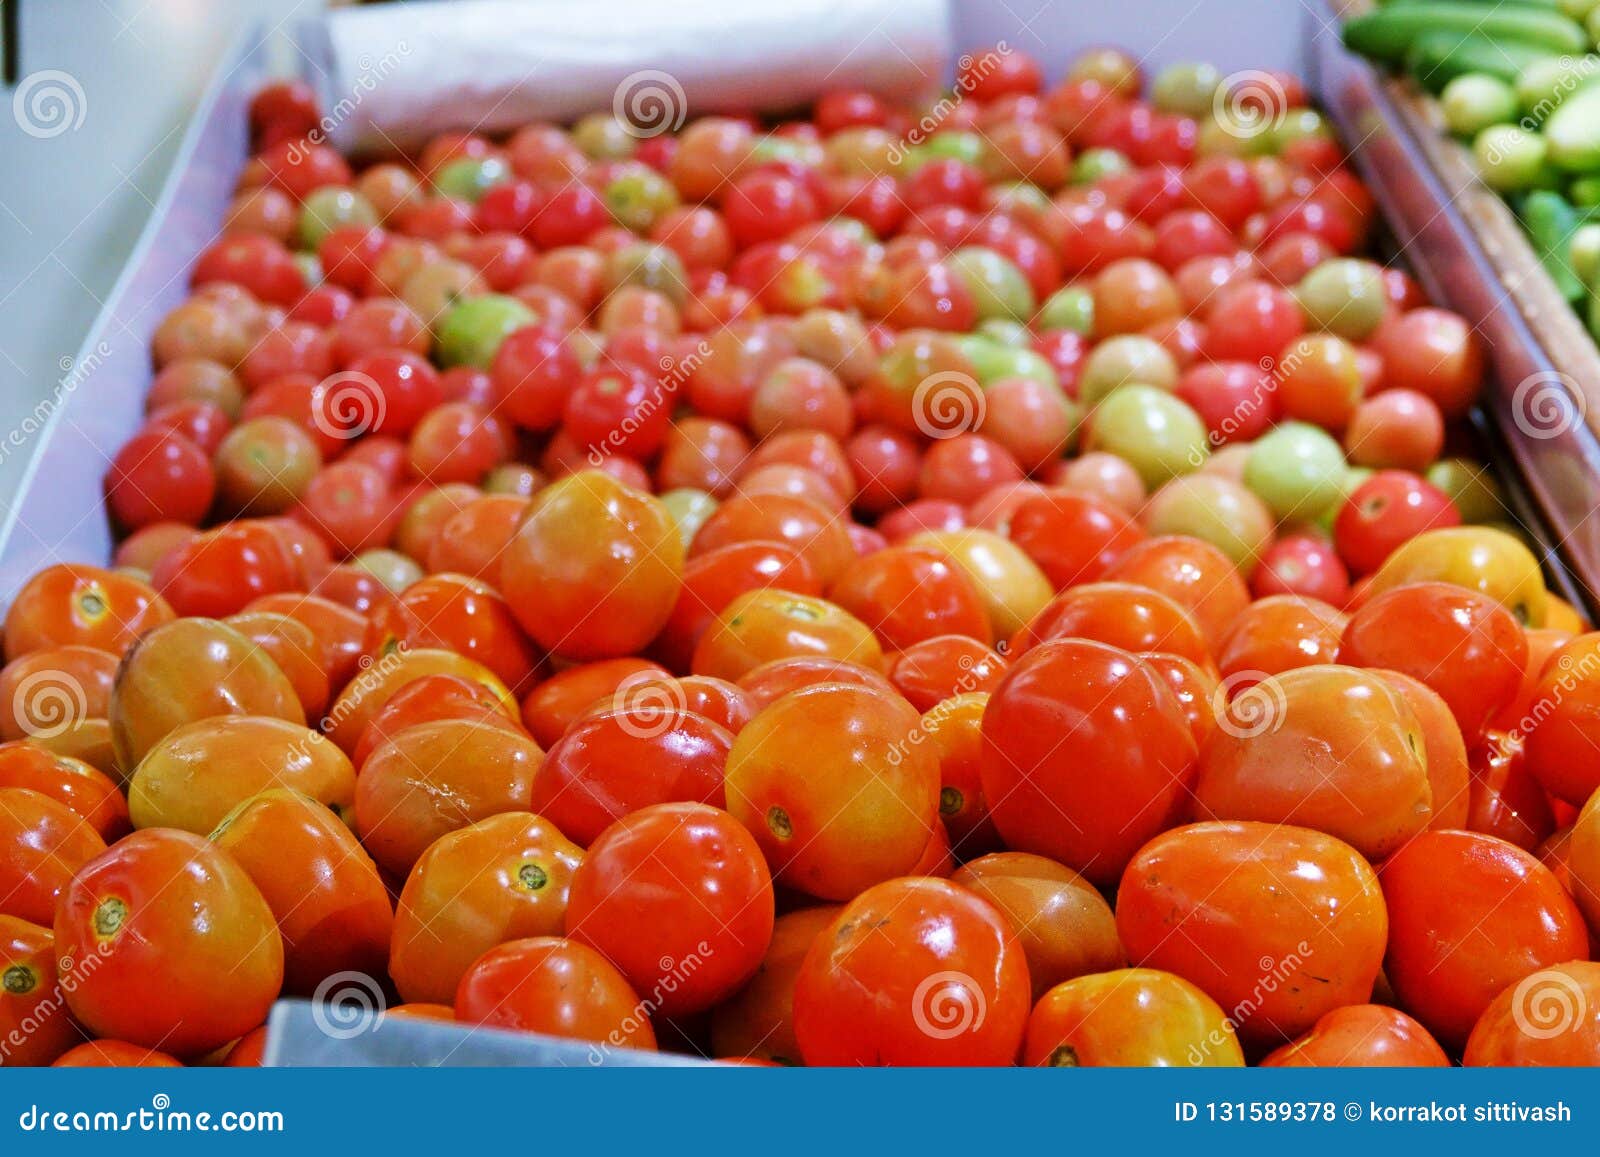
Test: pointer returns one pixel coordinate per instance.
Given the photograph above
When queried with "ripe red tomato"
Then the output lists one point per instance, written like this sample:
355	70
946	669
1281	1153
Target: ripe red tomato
555	987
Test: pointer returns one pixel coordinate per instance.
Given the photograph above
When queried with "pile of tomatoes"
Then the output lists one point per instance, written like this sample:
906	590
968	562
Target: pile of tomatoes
981	584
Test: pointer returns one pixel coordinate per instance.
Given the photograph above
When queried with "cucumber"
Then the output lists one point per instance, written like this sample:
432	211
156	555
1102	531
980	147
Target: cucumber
1388	33
1585	192
1548	5
1551	221
1437	57
1573	132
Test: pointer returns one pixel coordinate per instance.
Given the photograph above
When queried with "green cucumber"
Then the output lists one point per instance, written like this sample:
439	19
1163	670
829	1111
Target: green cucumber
1573	132
1585	192
1508	4
1388	33
1551	221
1437	57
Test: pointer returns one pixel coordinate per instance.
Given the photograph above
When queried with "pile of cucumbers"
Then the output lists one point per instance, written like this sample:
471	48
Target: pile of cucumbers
1520	80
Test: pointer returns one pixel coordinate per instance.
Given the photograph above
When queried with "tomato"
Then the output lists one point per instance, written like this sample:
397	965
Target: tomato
435	778
933	670
816	533
165	940
594	569
68	604
332	909
1130	1017
1250	912
464	615
1563	718
1449	775
473	540
1548	1018
1194	574
555	704
555	987
1361	1036
1480	558
758	1020
1462	644
1503	799
503	878
1134	618
866	807
678	897
385	675
910	594
1386	511
771	681
344	635
84	789
115	1054
766	624
713	579
1324	747
913	971
1470	915
426	700
1583	861
34	1023
646	749
159	476
1063	712
198	772
43	843
1011	586
1435	353
1074	538
1276	634
1064	925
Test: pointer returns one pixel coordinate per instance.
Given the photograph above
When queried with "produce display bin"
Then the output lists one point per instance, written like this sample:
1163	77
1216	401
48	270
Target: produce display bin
1551	473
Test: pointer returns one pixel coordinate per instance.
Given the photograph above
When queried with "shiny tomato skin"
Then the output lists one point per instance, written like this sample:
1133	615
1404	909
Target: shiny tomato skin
909	594
914	971
169	943
715	578
1074	538
1124	615
43	844
333	911
558	702
758	1020
504	878
1469	915
33	1023
929	672
766	624
87	790
84	606
557	988
1361	1036
1063	712
1550	1017
1129	1017
643	750
1559	744
1225	904
678	897
595	568
865	808
1194	574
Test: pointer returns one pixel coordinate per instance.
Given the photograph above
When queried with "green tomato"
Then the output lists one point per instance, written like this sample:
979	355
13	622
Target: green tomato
1070	307
471	332
1214	509
1092	164
330	208
1189	89
639	197
1016	195
469	178
689	509
1006	332
1153	431
960	146
992	360
1126	359
1297	469
1298	124
391	568
1476	100
1509	158
1344	296
998	287
1472	487
602	137
650	265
